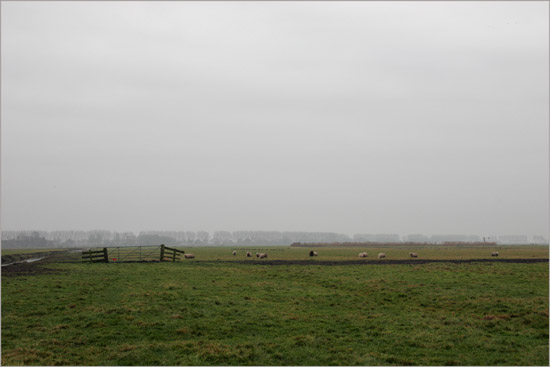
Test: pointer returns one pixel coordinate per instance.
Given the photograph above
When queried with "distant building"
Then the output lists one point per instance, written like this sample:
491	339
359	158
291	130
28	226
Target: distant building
441	238
513	239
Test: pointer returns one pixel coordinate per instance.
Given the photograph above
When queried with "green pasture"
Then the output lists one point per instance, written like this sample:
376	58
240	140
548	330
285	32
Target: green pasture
208	313
330	253
351	253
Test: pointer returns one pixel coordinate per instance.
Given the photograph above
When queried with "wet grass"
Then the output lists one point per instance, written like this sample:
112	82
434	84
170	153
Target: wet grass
351	253
193	313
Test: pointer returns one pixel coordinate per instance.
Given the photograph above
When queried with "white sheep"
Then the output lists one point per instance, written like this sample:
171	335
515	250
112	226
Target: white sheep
381	255
189	256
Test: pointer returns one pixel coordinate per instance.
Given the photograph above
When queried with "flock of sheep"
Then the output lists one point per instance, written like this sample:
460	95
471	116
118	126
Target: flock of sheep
383	254
263	255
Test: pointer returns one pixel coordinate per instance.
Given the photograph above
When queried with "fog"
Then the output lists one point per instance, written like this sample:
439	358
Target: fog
354	117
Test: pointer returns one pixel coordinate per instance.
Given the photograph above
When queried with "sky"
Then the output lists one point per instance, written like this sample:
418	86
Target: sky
353	117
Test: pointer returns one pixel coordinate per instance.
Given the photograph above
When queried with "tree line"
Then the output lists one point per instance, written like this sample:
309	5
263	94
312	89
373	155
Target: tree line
95	238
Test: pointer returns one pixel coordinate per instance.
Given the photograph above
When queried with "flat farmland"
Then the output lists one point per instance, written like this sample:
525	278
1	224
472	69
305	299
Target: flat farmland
211	311
351	253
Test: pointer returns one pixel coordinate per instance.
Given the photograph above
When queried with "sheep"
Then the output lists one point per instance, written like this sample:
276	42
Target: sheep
363	254
248	254
495	253
413	254
313	253
189	256
234	253
381	255
262	255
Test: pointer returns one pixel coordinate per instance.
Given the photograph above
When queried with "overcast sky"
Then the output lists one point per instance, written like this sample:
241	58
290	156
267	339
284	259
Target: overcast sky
355	117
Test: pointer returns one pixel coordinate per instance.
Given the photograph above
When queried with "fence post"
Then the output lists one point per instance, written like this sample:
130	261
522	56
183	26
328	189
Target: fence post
173	256
105	254
90	253
161	252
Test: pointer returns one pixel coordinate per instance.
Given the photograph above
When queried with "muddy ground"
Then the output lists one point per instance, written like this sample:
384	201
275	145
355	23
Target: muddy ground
65	255
25	269
38	267
381	262
7	259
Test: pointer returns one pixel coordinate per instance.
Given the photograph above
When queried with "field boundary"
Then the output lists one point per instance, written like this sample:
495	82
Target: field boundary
376	262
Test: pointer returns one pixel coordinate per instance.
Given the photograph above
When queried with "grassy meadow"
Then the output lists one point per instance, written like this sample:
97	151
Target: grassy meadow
199	312
351	253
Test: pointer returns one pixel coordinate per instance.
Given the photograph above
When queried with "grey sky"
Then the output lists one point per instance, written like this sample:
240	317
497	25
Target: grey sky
353	117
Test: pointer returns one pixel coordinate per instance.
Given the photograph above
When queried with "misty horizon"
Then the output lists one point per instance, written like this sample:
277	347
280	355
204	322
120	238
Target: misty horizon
229	236
212	231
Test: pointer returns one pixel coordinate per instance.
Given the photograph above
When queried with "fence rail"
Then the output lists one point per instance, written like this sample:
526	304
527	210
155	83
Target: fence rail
168	253
95	256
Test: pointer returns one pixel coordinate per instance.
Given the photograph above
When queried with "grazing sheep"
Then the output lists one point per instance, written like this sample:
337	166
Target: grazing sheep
363	254
257	254
495	253
234	253
313	253
413	254
248	254
189	256
381	255
262	255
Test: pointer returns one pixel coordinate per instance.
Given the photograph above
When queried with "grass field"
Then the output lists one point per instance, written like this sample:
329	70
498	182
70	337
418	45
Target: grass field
351	253
208	313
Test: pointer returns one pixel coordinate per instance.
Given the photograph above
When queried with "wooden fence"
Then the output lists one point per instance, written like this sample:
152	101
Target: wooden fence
95	256
168	253
132	254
